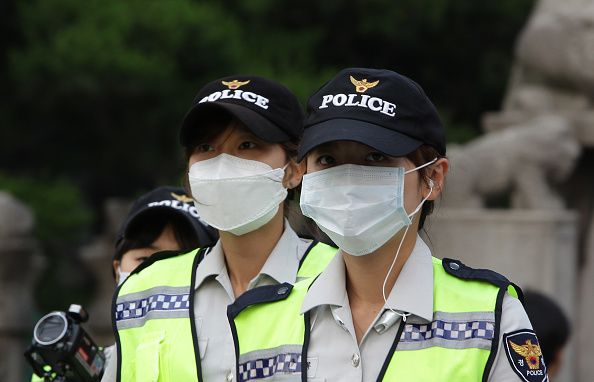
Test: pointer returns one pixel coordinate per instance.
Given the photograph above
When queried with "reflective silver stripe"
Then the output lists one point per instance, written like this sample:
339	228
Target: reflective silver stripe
267	353
282	361
134	309
464	317
473	343
152	315
450	330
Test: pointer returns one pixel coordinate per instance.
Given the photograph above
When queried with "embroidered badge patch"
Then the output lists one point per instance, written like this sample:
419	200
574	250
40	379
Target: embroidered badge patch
524	355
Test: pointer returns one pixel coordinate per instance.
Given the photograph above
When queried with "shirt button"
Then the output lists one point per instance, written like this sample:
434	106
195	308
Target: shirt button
356	359
229	376
282	290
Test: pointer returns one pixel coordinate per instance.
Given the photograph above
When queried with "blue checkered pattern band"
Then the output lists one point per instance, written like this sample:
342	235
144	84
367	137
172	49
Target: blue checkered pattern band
135	309
158	302
448	331
286	363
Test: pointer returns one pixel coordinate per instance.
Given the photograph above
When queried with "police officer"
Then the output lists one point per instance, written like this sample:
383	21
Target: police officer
384	309
162	219
240	137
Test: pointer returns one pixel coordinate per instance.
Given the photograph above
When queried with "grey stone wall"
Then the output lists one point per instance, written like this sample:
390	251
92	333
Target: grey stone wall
19	264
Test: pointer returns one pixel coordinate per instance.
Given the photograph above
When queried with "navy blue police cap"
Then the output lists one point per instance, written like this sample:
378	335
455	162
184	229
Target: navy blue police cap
266	108
167	200
379	108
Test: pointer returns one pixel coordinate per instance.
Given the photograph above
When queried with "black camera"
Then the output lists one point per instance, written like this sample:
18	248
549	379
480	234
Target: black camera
63	351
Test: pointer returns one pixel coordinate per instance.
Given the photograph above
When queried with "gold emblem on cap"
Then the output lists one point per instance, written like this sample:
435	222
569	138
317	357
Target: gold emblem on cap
363	85
235	84
182	198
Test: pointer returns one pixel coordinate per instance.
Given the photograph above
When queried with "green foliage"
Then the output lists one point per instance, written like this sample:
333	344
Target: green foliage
62	218
102	83
99	87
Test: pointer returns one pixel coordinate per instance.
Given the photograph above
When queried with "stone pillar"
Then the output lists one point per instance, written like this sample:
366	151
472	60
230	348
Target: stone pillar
536	249
17	273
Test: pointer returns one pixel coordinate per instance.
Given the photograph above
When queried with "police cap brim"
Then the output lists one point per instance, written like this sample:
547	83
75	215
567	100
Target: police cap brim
387	141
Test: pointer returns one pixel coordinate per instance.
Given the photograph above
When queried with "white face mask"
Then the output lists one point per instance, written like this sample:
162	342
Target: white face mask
122	276
236	195
359	207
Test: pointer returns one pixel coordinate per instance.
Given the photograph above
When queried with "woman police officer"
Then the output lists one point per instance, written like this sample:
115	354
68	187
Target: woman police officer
240	137
162	219
383	309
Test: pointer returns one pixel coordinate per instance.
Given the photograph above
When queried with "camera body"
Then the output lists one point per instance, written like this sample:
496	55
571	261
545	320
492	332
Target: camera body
62	350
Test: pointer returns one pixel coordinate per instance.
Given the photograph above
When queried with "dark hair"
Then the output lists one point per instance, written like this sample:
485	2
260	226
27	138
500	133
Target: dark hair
147	228
420	156
549	322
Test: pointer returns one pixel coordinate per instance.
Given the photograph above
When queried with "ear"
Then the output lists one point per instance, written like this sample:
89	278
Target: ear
437	173
294	174
116	264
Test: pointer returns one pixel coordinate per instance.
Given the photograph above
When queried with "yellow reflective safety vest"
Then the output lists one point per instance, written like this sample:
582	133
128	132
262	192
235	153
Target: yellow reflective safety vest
153	315
458	345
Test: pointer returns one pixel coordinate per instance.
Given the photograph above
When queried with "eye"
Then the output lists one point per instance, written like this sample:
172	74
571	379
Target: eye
203	147
247	145
326	160
142	258
375	157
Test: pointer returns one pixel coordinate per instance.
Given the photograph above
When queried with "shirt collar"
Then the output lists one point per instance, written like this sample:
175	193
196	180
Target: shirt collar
213	264
329	288
281	266
283	263
412	292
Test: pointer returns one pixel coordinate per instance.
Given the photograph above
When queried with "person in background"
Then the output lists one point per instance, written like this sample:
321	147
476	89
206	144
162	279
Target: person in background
551	326
384	309
163	219
240	136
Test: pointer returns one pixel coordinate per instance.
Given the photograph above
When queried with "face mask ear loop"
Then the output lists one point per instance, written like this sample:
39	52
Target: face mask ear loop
284	169
422	201
421	166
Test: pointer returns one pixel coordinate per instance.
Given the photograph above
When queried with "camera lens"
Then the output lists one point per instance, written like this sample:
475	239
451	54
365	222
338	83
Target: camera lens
51	328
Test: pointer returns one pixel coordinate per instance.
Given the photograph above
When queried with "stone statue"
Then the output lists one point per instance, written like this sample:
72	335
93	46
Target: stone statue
524	161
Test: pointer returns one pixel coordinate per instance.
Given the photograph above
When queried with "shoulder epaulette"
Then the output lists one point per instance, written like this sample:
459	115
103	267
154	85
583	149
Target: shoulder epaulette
458	269
263	294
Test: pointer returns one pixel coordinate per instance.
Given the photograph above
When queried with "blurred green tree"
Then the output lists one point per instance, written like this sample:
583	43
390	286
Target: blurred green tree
460	51
100	88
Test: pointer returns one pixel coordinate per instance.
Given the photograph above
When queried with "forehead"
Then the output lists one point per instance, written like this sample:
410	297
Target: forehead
212	130
343	146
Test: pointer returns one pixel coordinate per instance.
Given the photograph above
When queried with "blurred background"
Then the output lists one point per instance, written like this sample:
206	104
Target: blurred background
92	94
